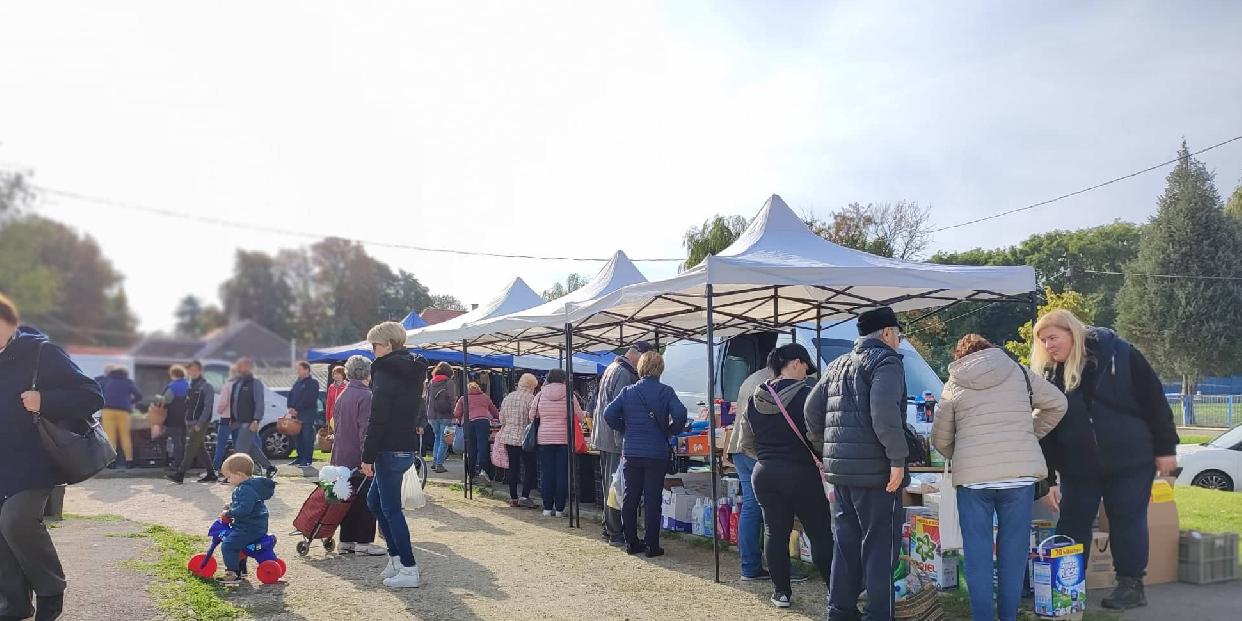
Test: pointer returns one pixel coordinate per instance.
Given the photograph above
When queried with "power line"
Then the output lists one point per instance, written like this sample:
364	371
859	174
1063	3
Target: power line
1171	276
955	318
259	228
1082	191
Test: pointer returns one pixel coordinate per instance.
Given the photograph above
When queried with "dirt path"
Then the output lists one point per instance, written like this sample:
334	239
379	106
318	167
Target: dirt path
95	555
481	560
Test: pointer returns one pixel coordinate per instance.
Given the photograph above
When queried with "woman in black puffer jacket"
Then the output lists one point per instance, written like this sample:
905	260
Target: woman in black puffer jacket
1117	434
29	564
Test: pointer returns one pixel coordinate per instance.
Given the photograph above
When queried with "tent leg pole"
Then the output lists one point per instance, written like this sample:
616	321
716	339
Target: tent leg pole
1034	313
657	340
467	489
819	338
569	421
711	429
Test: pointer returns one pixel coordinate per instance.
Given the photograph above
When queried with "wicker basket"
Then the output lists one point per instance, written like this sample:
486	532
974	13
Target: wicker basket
324	440
923	606
288	426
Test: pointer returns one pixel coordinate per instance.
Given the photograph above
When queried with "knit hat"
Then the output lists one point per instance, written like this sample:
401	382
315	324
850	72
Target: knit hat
877	319
641	347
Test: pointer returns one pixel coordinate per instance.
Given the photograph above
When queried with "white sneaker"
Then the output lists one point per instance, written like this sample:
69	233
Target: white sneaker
406	578
371	549
547	513
560	514
345	548
394	566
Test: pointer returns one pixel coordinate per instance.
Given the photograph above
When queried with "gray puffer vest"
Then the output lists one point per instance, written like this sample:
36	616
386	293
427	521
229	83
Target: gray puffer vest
853	454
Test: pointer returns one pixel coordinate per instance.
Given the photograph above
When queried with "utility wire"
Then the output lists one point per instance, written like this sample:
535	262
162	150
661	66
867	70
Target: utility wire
77	196
955	318
1171	276
1084	190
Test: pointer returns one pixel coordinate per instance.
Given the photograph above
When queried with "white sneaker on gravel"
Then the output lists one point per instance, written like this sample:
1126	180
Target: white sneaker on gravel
547	513
371	549
394	566
560	514
345	548
406	578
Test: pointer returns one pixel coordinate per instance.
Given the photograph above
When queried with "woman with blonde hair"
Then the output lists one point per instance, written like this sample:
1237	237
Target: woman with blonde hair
989	422
513	412
1117	434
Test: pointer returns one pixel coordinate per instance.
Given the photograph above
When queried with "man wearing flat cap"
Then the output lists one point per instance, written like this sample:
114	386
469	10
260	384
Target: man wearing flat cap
860	405
621	373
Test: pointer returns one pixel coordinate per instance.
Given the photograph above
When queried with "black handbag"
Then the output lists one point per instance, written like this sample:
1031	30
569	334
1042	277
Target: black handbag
530	437
77	456
917	454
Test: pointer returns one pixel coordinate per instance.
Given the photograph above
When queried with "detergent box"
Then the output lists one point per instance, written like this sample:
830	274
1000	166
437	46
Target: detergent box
926	556
1059	577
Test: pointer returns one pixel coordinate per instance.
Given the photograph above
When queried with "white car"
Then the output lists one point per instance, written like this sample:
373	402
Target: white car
1214	465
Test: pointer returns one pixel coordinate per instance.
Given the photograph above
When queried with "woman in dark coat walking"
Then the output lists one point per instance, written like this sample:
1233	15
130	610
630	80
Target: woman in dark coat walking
1117	434
29	565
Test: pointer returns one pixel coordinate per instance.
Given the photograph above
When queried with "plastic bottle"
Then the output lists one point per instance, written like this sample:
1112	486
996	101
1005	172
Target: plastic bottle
707	518
733	523
696	518
724	514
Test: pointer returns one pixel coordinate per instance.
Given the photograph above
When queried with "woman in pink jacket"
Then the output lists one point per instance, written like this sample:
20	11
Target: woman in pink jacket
549	408
478	429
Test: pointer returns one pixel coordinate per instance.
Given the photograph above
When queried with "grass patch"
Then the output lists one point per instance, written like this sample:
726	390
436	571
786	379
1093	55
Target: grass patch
177	593
95	518
1189	439
1209	511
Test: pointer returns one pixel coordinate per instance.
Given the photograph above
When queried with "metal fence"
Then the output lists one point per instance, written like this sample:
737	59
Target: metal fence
1208	410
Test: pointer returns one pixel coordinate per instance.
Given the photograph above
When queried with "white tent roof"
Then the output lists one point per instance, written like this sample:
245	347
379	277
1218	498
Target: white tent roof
778	273
549	319
516	297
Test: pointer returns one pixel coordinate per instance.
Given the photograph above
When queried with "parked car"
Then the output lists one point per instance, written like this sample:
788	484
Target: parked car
275	445
1214	465
685	363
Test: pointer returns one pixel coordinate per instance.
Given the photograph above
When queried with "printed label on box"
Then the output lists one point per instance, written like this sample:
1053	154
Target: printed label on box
1059	578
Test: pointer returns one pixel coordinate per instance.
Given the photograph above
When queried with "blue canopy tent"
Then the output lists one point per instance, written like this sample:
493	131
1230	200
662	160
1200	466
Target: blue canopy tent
330	355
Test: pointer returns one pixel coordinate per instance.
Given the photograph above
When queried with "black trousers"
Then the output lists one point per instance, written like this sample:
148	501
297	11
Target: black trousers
29	564
522	466
867	530
1125	496
177	433
644	481
786	490
609	462
359	524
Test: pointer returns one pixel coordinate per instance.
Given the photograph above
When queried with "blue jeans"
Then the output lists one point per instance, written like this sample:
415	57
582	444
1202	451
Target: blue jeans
224	432
554	476
1012	510
750	524
384	499
478	451
440	453
306	438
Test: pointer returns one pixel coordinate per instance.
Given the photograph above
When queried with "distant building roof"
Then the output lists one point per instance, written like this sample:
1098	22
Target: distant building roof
241	339
439	315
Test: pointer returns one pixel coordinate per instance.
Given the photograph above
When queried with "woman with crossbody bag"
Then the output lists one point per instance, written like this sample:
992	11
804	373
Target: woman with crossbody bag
788	477
647	413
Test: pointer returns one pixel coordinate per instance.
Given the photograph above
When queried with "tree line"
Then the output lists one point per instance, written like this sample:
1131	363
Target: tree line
1171	285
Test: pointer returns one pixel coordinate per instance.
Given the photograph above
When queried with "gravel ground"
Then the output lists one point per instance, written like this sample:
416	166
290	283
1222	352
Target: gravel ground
481	560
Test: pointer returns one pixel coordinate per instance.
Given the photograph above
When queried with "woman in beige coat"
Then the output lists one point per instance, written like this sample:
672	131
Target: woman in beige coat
991	417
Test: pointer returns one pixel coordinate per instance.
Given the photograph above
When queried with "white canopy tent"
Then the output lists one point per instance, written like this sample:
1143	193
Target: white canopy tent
776	275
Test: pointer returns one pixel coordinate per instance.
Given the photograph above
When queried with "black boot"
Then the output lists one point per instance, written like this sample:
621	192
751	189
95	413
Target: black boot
49	608
208	477
1128	594
175	477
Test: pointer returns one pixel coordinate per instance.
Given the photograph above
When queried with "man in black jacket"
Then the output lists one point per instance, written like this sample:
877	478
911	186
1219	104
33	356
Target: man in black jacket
859	404
247	406
200	403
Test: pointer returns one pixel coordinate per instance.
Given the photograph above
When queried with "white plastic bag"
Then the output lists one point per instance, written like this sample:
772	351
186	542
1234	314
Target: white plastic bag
950	524
616	490
412	495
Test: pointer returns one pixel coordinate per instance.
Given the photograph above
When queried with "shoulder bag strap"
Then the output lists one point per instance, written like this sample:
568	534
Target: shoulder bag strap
661	424
819	465
1030	392
34	376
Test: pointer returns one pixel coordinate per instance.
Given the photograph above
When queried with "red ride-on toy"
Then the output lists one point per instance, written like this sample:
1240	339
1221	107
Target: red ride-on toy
263	551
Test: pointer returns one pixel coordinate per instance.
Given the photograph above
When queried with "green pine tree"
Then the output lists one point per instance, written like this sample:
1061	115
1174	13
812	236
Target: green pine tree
1187	327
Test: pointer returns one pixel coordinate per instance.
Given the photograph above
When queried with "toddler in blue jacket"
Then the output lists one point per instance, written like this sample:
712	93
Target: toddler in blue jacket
248	512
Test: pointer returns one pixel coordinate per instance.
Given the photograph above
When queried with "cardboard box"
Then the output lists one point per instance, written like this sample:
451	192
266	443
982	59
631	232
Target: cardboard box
1060	582
697	445
1100	573
677	512
1162	533
926	555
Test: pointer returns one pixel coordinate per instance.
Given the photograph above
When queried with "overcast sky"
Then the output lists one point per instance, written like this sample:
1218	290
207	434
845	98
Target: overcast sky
579	128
